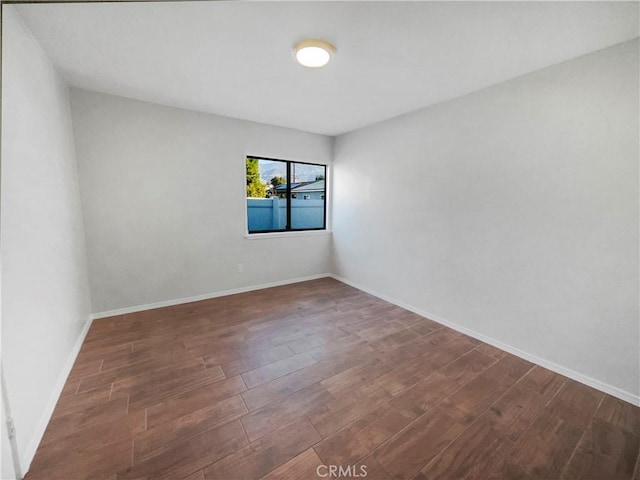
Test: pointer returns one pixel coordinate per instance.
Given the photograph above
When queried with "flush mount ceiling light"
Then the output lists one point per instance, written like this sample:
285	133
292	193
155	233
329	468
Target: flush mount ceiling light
313	53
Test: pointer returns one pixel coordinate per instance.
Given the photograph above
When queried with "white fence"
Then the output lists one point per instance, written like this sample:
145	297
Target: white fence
271	213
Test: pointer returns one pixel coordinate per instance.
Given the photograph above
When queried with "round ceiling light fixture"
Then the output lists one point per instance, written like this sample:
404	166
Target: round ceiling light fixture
313	53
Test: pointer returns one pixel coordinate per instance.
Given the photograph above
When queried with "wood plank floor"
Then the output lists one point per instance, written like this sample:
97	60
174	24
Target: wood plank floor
273	384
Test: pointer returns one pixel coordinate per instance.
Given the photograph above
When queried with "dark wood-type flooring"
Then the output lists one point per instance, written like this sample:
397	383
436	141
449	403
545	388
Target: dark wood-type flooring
274	383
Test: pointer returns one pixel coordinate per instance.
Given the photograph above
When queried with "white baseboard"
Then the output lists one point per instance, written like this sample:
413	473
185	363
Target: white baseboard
578	377
206	296
27	456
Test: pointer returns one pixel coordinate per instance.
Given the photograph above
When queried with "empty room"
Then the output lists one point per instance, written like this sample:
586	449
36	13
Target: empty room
320	240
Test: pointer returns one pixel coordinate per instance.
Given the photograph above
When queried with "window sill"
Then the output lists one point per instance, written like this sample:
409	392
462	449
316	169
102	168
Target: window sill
261	236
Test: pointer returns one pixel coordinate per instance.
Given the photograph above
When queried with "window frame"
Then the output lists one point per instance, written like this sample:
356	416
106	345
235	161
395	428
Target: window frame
288	197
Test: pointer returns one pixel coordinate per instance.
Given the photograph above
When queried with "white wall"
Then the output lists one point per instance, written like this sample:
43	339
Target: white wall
163	195
7	470
45	295
512	212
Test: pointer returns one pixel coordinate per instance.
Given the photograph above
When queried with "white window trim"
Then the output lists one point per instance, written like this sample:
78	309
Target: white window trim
303	233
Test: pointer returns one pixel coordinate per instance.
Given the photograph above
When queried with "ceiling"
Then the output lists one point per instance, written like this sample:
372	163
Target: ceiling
234	58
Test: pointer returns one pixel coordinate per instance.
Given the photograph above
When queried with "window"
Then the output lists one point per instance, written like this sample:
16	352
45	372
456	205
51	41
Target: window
285	196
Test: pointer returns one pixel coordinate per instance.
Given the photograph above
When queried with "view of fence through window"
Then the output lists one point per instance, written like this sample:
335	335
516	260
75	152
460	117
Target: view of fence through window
285	196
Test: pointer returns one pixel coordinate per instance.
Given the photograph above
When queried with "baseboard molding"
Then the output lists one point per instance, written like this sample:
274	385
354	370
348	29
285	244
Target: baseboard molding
27	456
206	296
578	377
592	382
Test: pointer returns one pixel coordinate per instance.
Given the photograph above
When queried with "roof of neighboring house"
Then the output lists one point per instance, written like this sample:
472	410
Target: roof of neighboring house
283	187
310	187
317	186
